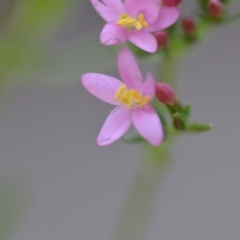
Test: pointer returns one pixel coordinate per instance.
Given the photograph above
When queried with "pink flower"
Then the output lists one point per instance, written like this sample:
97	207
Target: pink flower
133	20
132	99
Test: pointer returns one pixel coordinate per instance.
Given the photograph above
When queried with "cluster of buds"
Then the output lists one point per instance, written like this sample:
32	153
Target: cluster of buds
213	8
180	113
149	31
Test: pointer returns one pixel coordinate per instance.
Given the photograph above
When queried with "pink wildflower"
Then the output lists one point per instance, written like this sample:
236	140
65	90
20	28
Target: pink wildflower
132	99
133	20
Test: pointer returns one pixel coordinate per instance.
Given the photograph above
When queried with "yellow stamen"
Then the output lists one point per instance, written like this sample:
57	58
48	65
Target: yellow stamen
142	21
137	25
120	92
145	101
130	98
123	15
129	22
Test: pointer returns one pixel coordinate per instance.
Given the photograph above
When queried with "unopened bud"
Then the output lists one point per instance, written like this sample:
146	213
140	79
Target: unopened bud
215	8
171	3
162	39
178	122
188	26
165	93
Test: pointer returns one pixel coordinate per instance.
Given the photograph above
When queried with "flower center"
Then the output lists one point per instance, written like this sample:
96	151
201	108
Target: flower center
130	98
129	22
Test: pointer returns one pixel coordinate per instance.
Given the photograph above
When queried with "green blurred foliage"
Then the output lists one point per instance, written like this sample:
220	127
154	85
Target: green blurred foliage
27	49
35	18
24	26
13	200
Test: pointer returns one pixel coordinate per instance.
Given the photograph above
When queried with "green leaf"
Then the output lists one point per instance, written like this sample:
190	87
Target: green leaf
186	110
198	127
179	121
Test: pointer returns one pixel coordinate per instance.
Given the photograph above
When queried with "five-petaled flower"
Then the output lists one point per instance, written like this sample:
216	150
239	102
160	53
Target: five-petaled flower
134	20
132	99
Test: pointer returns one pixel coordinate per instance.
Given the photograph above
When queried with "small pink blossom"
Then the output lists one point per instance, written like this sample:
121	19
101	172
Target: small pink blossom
134	20
132	99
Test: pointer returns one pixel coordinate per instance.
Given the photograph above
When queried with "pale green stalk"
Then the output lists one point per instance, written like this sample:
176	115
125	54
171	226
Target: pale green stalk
140	202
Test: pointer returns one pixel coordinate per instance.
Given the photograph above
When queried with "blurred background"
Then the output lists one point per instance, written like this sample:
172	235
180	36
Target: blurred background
56	183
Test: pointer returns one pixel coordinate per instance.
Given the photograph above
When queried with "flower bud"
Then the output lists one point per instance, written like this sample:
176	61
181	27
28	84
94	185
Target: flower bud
215	8
178	122
165	93
188	26
171	3
162	39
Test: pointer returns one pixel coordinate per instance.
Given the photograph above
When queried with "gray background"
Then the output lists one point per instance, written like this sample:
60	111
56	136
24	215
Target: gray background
72	189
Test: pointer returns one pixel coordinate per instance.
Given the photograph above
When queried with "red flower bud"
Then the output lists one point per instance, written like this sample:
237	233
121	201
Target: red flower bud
165	93
162	39
171	3
188	26
215	8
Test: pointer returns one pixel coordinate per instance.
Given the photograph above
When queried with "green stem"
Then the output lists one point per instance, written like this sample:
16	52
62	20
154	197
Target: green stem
136	213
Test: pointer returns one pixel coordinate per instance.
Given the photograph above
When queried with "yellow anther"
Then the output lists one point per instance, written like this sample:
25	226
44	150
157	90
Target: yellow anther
142	21
130	22
123	15
120	92
130	98
137	25
127	22
145	101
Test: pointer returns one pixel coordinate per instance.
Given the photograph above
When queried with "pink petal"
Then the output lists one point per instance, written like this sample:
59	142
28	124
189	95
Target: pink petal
148	124
144	40
128	68
153	10
117	5
149	8
115	126
107	13
149	86
167	17
101	86
112	34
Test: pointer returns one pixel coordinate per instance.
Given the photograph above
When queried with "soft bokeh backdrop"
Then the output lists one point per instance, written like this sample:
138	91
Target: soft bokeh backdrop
56	183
